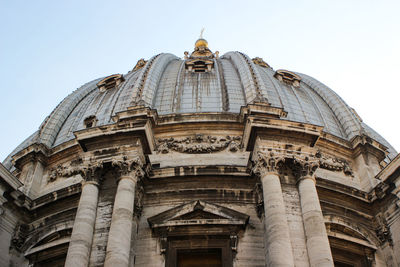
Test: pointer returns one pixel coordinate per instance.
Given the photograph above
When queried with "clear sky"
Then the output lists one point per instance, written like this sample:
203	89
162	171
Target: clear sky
49	48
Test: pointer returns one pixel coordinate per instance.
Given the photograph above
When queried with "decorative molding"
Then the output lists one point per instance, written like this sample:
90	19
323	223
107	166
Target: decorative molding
198	214
199	144
140	64
259	61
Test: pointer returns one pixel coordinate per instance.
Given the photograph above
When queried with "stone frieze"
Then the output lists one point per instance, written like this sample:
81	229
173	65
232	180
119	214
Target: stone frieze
199	144
334	164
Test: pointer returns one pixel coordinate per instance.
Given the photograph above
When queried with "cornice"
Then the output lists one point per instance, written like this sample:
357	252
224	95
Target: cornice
9	178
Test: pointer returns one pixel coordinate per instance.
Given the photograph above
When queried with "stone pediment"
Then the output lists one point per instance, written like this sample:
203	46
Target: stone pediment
195	214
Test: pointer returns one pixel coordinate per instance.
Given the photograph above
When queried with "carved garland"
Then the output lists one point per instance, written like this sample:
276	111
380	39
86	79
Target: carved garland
199	144
334	164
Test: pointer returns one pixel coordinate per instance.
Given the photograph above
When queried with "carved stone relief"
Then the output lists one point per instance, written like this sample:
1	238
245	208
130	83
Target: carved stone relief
383	231
301	163
259	199
199	144
19	236
334	164
128	166
259	61
140	64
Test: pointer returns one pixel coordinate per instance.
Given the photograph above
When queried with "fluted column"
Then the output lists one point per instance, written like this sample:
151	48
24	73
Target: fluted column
278	245
319	251
119	239
82	232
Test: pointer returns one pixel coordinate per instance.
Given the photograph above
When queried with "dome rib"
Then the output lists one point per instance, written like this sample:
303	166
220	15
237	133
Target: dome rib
145	90
342	111
221	80
261	89
52	125
240	63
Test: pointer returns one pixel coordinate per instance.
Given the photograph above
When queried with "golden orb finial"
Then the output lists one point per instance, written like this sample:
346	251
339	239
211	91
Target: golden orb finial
201	41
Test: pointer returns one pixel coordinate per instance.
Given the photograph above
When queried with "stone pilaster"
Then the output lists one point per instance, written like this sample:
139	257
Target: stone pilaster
319	251
119	239
82	232
278	245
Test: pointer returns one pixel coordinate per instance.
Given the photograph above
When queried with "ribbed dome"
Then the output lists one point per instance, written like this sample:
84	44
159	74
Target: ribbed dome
163	83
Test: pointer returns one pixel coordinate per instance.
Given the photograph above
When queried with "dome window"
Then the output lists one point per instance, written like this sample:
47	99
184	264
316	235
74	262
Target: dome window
110	82
288	77
90	121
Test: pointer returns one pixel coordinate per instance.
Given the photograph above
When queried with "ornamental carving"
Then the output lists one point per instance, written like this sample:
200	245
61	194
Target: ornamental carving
88	170
334	164
140	64
303	166
199	144
259	61
139	195
259	199
383	231
301	163
268	162
128	166
19	236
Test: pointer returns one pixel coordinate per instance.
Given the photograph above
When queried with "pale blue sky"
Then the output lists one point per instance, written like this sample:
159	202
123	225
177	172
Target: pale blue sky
49	48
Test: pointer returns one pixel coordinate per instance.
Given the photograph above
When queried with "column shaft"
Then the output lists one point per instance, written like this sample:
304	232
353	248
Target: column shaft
279	247
82	232
119	239
319	251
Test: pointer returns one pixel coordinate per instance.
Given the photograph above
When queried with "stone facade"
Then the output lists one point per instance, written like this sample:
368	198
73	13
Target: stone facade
245	183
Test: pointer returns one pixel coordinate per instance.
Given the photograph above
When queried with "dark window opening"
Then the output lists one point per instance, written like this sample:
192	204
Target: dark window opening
199	258
90	121
341	264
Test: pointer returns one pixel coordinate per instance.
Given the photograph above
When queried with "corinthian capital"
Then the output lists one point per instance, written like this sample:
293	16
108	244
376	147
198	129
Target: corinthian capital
303	166
90	170
128	167
267	162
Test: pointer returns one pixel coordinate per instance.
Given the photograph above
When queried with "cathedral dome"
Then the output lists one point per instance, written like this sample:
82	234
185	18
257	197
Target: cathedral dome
180	157
202	82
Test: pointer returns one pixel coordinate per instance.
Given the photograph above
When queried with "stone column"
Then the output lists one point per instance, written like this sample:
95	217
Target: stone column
119	239
278	245
319	251
82	232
